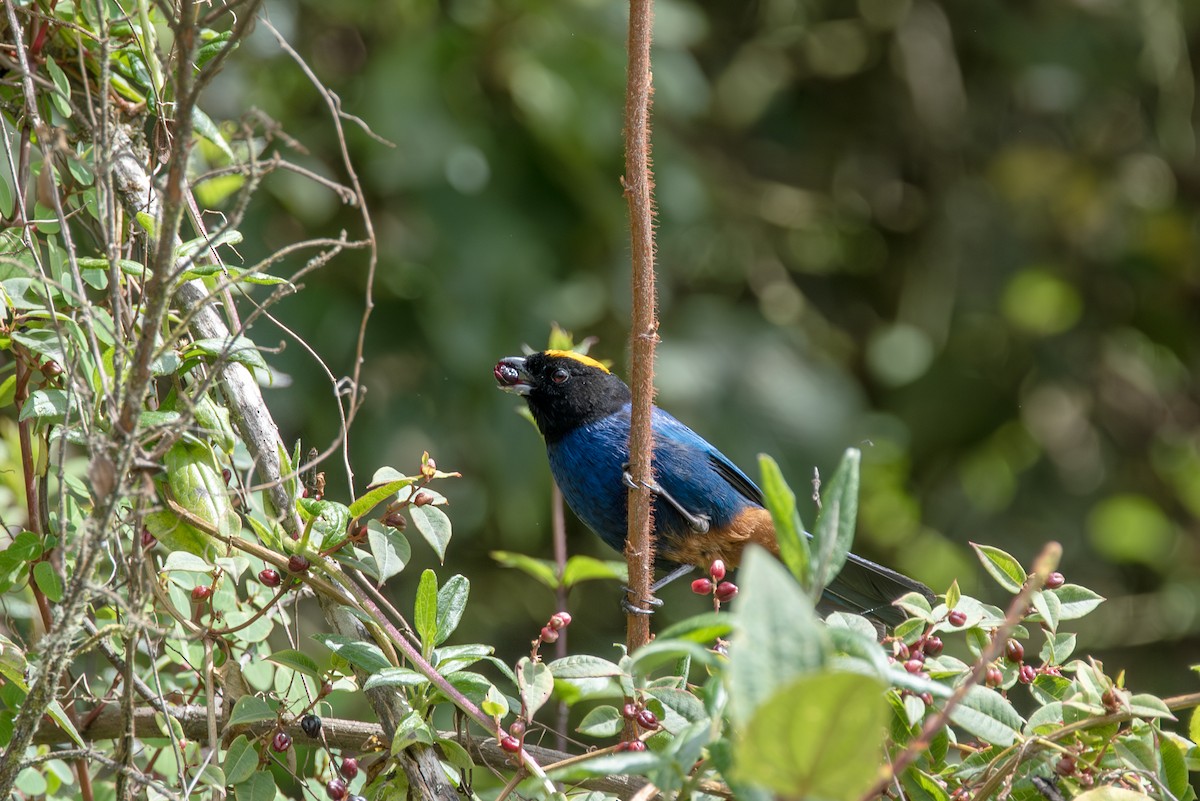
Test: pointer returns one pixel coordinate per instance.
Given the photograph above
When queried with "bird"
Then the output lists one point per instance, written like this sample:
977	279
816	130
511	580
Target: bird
704	507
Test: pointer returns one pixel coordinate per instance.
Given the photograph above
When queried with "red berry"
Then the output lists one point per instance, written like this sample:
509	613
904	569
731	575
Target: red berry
335	789
933	646
349	767
201	592
226	474
549	635
647	719
510	744
1014	651
725	591
148	539
994	676
702	586
636	745
560	620
957	617
900	651
927	698
914	665
629	711
281	742
1027	675
270	577
422	498
1055	580
297	563
717	570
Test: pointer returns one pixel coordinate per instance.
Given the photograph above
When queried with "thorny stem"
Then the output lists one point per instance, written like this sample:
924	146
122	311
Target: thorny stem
639	187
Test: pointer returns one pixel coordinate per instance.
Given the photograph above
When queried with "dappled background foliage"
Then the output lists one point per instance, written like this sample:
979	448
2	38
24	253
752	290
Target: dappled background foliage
961	235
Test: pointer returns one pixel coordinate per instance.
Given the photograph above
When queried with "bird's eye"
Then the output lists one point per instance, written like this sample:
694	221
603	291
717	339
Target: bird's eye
560	376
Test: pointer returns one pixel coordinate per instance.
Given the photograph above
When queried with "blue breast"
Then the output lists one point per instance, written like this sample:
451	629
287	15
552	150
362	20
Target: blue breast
588	462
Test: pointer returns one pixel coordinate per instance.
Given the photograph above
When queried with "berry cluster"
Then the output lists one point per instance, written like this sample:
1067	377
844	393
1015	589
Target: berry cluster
714	584
337	788
551	631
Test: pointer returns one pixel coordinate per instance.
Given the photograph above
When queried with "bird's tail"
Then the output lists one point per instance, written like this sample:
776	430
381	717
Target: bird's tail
868	589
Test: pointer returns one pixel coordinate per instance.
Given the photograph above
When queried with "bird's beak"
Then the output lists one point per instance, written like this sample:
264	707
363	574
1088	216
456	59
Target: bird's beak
511	376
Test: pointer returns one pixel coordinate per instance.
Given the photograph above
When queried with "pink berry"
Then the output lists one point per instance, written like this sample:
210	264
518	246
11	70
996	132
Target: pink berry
702	586
636	745
629	711
725	591
933	646
148	539
349	767
297	563
717	570
1027	675
560	620
914	665
957	617
1055	580
270	577
336	789
510	744
201	592
281	742
647	719
549	635
994	676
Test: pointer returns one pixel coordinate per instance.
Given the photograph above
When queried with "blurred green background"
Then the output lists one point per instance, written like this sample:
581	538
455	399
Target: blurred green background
961	235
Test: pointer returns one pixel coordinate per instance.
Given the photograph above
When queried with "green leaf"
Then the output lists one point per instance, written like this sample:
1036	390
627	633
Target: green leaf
434	526
229	349
186	562
1111	793
818	736
1057	648
197	485
989	716
663	651
1076	601
250	709
377	494
49	406
297	661
777	636
702	628
494	703
362	654
540	569
789	531
390	550
241	760
1145	705
638	763
425	610
1005	569
585	568
395	677
259	787
62	85
1049	609
834	530
451	603
205	127
583	666
920	786
535	683
953	594
48	581
602	721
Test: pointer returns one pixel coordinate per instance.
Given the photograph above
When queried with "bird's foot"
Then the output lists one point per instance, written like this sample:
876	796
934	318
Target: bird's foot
699	523
632	608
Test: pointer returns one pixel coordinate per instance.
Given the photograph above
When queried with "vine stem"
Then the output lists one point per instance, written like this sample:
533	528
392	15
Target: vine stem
639	188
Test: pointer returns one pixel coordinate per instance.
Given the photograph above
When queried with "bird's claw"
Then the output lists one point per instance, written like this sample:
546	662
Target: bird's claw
631	608
699	523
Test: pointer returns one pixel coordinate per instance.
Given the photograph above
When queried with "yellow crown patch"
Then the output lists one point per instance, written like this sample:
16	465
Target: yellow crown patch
579	357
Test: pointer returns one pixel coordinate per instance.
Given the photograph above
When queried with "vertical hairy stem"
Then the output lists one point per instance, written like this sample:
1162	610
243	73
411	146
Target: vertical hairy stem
639	185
